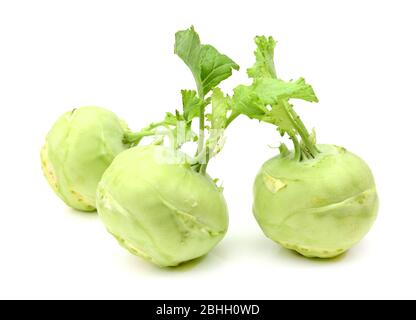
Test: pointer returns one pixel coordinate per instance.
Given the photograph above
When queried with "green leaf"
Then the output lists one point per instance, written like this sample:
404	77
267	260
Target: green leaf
270	91
264	65
188	48
246	102
170	119
266	100
220	106
218	118
208	66
280	117
215	67
191	104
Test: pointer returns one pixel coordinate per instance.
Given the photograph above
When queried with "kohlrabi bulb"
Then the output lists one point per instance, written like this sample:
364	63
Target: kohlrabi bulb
158	208
79	147
319	207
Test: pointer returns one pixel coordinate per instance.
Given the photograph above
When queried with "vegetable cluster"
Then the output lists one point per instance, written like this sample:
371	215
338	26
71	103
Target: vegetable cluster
160	203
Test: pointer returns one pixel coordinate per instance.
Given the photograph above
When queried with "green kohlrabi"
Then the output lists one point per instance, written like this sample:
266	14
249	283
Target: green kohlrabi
78	149
319	200
157	201
159	209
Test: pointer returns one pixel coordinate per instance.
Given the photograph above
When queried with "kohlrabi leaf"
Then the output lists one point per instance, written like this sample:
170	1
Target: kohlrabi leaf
170	119
208	66
188	48
191	104
270	91
246	102
273	93
266	100
279	116
215	67
264	65
220	106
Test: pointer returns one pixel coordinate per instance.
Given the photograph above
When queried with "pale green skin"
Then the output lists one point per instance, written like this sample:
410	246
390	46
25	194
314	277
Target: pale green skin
78	149
159	210
319	207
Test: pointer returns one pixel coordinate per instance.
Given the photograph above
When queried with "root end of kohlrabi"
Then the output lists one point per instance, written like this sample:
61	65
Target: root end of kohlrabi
310	252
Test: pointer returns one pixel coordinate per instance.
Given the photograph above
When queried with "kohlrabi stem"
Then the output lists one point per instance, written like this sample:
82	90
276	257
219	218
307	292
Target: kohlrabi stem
296	144
311	145
297	123
297	119
231	118
204	165
201	137
292	136
134	137
300	129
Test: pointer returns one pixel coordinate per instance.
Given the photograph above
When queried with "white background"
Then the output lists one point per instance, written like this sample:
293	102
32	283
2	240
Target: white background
56	55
